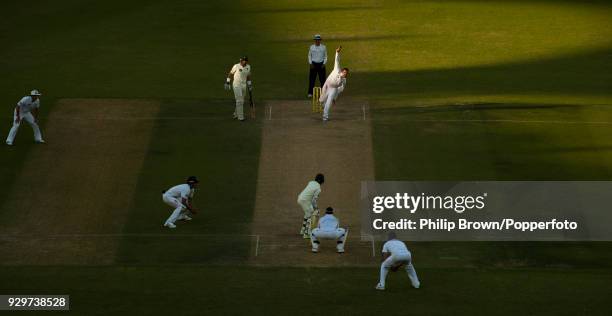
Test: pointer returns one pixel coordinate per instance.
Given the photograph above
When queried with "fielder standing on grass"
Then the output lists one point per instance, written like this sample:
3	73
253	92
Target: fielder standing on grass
334	85
241	75
307	200
395	255
179	197
317	58
26	109
329	228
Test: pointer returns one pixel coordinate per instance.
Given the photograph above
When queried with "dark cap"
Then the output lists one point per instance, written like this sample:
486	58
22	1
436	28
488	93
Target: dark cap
193	179
320	178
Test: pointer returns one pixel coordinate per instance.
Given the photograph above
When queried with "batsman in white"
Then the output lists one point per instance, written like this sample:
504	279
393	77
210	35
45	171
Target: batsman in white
396	255
179	197
334	85
241	75
329	228
26	109
307	200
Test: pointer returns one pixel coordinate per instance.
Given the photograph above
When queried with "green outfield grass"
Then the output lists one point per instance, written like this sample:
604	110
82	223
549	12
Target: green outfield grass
298	291
458	90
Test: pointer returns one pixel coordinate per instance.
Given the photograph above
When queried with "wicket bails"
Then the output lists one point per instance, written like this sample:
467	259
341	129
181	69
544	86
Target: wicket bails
317	107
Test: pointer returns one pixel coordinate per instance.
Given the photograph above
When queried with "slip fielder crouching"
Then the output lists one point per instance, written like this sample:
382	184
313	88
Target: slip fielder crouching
179	197
396	255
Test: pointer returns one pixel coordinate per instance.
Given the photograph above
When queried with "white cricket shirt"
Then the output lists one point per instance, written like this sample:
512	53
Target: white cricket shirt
240	74
311	192
26	105
395	247
328	222
317	54
180	191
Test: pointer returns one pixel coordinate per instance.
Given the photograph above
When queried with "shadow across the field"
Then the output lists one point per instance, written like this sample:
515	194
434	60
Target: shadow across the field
490	107
357	38
315	9
586	73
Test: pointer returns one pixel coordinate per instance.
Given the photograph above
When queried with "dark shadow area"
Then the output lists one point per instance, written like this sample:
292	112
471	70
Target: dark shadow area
353	38
574	149
486	107
587	73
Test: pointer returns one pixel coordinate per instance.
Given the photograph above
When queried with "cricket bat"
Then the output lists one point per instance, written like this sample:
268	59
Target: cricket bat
251	104
314	220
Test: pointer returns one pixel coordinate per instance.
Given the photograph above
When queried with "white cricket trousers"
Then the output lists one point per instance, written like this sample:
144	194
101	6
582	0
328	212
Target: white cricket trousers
176	204
329	100
28	117
339	234
308	212
393	260
239	94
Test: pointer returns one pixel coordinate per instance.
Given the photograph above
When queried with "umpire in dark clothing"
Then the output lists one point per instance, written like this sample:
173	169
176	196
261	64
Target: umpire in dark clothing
317	58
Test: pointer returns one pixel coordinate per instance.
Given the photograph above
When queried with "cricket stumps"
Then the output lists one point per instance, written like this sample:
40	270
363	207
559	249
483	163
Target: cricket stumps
317	107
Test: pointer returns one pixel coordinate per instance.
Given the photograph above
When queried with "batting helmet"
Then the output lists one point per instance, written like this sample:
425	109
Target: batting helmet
35	92
329	210
245	58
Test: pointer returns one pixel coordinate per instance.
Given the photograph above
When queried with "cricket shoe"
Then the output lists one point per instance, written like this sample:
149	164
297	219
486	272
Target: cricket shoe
340	250
9	144
42	141
170	225
380	287
309	96
185	218
315	250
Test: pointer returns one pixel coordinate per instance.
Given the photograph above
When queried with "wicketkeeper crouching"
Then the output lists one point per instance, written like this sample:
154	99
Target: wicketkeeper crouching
329	228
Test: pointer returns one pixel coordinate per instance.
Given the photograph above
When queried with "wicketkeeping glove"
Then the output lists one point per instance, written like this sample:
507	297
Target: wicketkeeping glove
250	85
227	84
